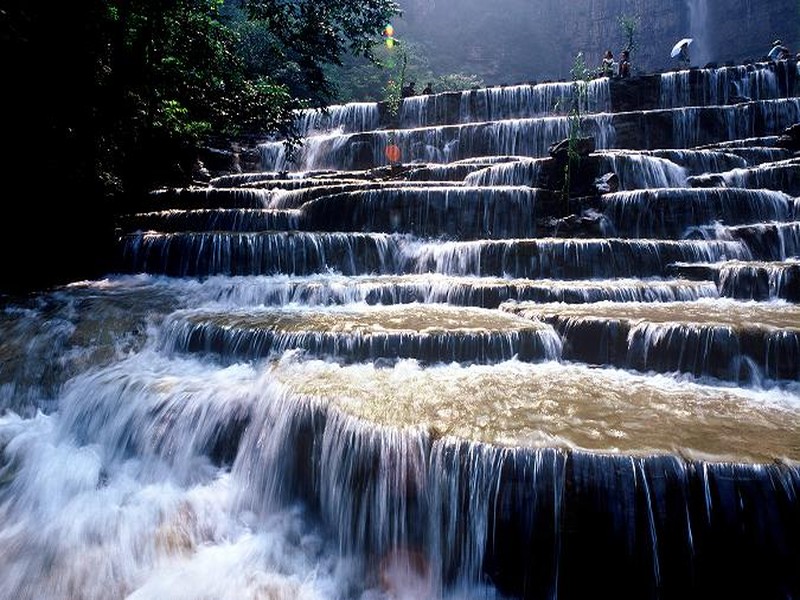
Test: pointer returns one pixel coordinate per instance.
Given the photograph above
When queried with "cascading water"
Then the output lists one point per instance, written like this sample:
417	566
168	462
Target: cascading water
711	87
350	118
455	377
699	28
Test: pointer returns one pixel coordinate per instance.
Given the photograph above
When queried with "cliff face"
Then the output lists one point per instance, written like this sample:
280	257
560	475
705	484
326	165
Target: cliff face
510	41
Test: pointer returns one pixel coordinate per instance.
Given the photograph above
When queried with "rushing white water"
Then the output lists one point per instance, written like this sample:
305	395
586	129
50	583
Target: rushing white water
438	144
160	475
352	117
719	86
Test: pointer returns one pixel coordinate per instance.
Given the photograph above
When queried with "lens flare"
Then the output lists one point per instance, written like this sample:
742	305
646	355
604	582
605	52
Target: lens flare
393	153
389	43
388	31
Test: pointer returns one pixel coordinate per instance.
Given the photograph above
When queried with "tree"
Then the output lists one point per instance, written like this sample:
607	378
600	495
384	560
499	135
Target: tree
123	92
155	78
361	79
630	27
310	35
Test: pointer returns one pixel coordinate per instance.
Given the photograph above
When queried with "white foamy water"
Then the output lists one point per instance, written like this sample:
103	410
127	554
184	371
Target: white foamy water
114	495
155	475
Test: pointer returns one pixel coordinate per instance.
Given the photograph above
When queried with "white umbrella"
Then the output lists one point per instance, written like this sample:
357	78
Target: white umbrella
676	49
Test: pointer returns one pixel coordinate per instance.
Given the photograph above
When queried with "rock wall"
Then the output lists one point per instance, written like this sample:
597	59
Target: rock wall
512	41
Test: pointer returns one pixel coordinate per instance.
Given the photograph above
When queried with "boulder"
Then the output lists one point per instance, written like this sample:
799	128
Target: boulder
587	225
706	180
607	183
584	146
790	138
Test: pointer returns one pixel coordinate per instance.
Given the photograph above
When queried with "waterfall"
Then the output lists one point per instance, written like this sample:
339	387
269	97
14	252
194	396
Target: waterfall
710	87
350	118
700	29
488	370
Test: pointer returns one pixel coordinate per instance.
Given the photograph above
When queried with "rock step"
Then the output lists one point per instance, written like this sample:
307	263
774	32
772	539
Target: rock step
554	405
217	219
489	292
729	340
669	213
432	288
501	212
643	130
428	333
782	175
725	85
748	280
305	253
533	517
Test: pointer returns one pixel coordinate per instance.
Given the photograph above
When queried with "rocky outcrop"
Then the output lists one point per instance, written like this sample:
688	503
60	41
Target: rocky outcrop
790	138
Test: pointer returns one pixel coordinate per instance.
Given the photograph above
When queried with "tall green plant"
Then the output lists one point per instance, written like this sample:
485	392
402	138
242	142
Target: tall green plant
581	75
393	92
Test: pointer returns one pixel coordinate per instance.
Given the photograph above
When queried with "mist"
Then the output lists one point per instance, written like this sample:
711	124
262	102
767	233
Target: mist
518	41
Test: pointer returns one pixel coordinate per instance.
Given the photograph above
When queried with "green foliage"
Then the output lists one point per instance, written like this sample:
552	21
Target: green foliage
358	80
456	82
306	36
630	28
581	76
393	92
176	119
361	80
137	85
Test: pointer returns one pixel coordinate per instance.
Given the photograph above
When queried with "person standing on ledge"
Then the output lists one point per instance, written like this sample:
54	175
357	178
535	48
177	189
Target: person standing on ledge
778	51
428	89
683	56
607	66
625	64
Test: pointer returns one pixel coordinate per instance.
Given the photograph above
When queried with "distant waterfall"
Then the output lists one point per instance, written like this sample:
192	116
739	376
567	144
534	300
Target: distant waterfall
698	31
